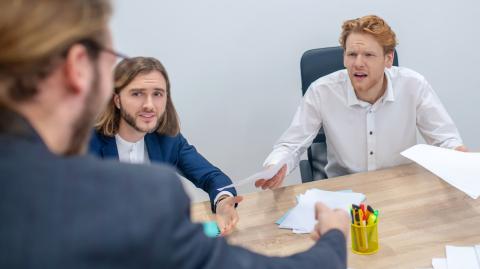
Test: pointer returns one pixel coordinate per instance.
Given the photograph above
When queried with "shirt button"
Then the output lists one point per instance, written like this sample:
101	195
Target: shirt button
371	132
371	152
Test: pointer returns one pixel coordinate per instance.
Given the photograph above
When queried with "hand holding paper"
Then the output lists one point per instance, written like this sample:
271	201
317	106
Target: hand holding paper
272	171
460	169
273	182
329	219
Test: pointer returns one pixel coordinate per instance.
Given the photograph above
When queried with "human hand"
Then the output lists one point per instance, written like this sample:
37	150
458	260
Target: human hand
226	214
461	148
274	182
329	219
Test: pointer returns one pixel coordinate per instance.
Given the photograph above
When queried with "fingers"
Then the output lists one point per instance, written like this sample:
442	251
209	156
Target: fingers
279	177
274	182
230	224
221	224
315	235
269	183
461	148
259	183
320	208
227	218
237	199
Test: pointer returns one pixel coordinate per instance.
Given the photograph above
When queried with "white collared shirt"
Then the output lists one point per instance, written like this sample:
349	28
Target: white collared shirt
132	152
361	136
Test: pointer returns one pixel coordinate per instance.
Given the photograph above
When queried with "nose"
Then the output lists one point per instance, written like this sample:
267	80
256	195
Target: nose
148	104
359	62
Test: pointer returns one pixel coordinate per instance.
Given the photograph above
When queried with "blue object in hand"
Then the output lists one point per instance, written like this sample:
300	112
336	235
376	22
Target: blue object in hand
210	228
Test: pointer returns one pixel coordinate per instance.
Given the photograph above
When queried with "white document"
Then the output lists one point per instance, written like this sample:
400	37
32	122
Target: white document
462	258
301	218
439	263
460	169
269	172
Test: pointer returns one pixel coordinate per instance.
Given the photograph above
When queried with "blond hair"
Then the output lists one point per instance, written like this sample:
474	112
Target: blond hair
108	122
35	35
372	25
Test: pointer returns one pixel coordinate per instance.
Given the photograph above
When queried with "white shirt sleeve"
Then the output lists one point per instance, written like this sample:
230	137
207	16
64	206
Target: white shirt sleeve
306	122
433	121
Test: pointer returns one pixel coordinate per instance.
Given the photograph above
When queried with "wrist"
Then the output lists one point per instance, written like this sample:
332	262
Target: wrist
220	199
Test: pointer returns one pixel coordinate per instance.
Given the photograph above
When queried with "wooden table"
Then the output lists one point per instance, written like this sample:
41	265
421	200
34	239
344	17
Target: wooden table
419	215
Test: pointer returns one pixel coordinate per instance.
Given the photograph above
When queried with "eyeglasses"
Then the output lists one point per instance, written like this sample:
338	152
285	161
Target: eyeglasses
118	55
95	46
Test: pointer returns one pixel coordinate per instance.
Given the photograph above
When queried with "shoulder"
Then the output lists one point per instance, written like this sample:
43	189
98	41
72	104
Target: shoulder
97	140
335	79
334	85
405	74
165	139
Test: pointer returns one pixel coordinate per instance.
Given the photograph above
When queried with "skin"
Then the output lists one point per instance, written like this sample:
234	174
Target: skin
142	103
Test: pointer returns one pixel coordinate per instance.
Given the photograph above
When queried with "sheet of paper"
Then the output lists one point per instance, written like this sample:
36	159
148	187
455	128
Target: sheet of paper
462	258
460	169
280	220
269	172
439	263
302	217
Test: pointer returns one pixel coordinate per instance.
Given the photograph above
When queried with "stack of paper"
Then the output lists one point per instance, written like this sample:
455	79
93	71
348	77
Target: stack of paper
460	169
459	258
301	218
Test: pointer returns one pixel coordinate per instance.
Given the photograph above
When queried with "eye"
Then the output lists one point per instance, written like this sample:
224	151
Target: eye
351	54
136	94
158	93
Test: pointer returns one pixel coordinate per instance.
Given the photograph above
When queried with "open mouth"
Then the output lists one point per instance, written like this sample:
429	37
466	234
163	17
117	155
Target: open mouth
360	75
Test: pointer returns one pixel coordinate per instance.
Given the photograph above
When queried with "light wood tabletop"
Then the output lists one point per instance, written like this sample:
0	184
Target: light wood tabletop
419	215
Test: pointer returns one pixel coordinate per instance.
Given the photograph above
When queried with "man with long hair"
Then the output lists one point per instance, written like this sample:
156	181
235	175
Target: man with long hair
140	125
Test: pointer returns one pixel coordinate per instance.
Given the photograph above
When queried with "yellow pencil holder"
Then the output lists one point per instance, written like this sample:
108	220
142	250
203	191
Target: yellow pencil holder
364	238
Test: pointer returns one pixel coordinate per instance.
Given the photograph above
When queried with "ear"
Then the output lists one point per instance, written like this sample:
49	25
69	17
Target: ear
116	100
78	70
389	59
344	59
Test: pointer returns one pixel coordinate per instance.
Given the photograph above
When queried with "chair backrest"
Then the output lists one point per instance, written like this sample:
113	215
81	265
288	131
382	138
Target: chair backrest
314	64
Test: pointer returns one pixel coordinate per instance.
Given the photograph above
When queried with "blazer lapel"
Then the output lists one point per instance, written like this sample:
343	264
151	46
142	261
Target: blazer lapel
153	148
109	149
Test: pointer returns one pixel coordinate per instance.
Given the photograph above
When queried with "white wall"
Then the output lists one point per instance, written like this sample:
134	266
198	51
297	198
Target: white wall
234	65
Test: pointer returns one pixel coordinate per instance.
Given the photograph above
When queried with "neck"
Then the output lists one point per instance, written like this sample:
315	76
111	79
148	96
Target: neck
53	127
373	94
128	133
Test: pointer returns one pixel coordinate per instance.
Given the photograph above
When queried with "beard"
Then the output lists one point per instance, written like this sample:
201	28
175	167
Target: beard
130	120
82	127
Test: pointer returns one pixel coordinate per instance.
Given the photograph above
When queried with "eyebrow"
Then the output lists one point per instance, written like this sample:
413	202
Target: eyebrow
143	89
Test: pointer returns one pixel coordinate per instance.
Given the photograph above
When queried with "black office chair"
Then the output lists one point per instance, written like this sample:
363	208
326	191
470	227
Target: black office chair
315	64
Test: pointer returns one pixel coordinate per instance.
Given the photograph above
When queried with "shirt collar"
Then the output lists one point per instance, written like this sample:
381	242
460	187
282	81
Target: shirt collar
126	144
387	96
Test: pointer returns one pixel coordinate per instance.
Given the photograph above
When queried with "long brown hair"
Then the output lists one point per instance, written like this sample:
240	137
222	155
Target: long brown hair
108	122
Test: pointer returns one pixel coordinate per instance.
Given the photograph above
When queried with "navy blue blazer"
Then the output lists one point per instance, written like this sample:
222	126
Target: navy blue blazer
175	151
